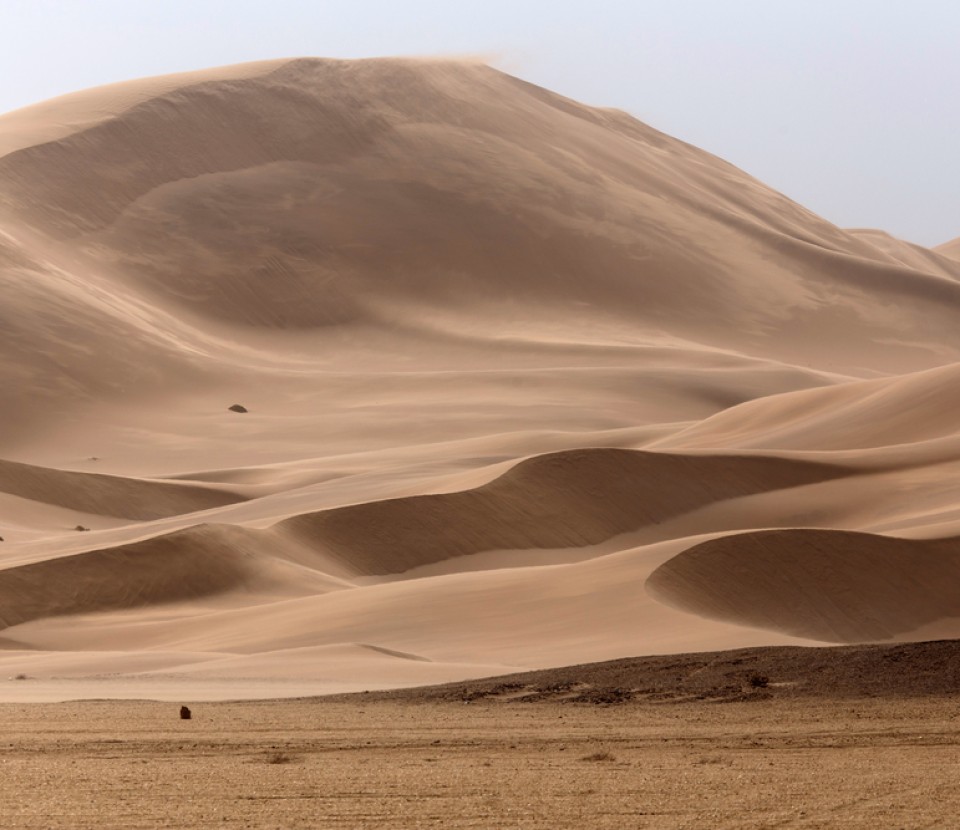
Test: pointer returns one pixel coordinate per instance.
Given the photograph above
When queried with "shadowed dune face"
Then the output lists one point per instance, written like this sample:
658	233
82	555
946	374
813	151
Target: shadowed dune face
106	495
198	562
821	584
194	563
565	500
522	383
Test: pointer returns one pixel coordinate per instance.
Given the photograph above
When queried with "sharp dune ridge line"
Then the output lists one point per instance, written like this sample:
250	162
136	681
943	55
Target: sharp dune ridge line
526	384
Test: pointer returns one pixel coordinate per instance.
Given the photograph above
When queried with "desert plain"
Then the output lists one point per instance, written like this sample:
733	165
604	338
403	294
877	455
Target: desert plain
298	764
327	376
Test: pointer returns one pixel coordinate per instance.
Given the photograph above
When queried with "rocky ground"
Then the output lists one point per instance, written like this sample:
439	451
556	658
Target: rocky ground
714	750
893	671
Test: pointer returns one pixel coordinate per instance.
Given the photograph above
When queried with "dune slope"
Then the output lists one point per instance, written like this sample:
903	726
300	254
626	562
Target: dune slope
562	500
107	495
190	564
950	249
821	584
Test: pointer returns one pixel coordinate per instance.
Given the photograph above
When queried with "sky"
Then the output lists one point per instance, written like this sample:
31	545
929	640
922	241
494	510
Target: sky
850	107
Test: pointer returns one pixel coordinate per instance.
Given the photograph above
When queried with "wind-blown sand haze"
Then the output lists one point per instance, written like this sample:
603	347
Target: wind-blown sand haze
528	384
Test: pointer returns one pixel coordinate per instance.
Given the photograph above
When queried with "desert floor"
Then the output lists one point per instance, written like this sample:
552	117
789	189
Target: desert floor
285	764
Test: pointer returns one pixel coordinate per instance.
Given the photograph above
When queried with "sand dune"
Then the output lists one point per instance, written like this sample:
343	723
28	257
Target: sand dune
936	261
198	562
949	249
820	584
527	383
876	413
564	500
159	570
137	499
208	190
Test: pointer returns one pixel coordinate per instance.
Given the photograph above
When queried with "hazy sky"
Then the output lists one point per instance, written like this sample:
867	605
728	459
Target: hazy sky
851	107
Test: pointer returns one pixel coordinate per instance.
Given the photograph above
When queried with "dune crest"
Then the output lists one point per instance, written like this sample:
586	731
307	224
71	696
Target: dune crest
562	500
863	415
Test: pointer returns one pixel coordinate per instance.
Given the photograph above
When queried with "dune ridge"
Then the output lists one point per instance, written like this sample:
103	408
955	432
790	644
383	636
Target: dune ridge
567	499
861	415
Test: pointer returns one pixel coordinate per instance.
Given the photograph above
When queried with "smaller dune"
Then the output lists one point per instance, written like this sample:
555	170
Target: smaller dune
862	415
950	249
829	585
106	495
559	500
188	564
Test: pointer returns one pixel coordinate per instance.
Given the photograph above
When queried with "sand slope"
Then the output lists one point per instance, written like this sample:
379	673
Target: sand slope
938	261
110	495
528	383
950	249
905	409
563	500
823	584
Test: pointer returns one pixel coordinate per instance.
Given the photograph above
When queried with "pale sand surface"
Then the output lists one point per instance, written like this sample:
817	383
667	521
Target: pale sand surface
950	249
529	384
802	764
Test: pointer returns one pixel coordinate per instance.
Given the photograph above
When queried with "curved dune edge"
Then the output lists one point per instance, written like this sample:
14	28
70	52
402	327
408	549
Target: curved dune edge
199	561
935	261
107	495
920	406
559	500
829	585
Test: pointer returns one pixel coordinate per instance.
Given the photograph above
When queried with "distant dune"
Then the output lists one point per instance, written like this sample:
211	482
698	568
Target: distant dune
950	249
524	383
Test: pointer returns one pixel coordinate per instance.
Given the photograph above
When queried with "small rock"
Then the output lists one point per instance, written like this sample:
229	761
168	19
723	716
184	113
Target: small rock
238	407
81	528
185	713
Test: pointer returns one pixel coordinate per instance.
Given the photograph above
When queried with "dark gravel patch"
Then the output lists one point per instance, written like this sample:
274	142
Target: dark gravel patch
883	671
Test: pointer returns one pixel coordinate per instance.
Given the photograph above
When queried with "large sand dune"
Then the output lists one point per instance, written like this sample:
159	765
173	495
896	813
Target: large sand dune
528	384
